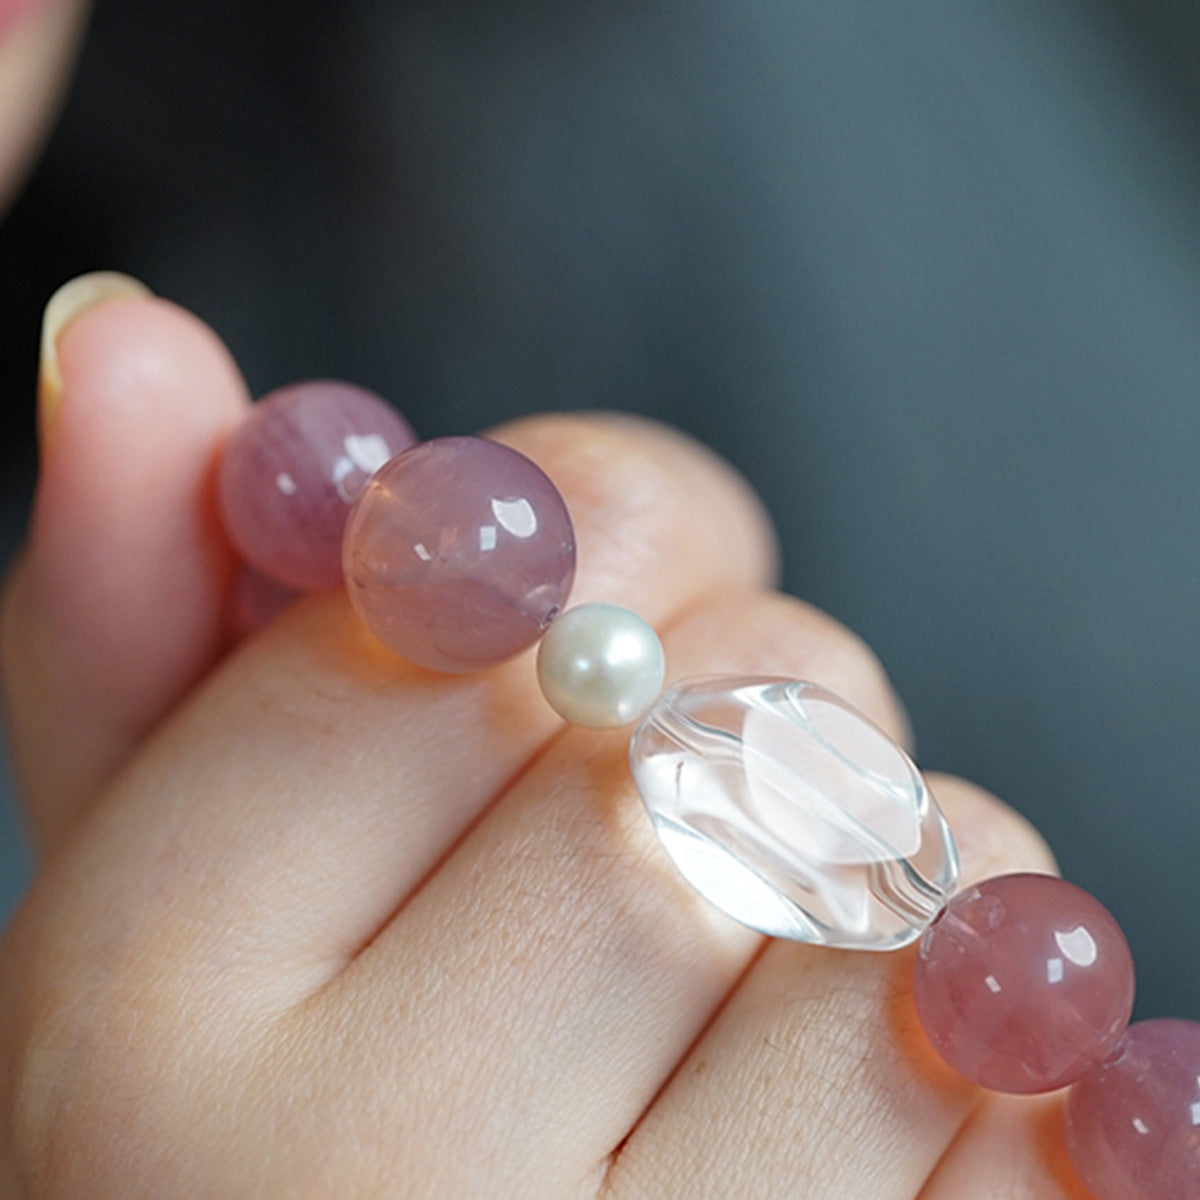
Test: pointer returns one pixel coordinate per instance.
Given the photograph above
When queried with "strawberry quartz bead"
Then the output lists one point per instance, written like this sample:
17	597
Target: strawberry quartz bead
291	471
459	553
1023	982
1133	1122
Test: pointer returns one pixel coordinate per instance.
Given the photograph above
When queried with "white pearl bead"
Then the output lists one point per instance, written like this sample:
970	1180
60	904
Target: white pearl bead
600	666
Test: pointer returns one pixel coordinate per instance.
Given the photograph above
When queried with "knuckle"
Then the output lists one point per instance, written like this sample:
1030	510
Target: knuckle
97	1058
647	499
992	837
39	1036
61	1085
769	633
839	658
600	463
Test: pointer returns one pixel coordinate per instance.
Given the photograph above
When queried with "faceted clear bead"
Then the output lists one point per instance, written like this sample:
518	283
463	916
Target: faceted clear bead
792	813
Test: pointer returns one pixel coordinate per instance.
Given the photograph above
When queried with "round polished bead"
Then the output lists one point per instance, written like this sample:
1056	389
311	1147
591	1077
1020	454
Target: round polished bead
292	469
459	553
1023	982
1133	1122
600	666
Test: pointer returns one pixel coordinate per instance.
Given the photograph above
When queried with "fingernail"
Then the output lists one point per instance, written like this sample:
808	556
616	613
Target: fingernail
71	300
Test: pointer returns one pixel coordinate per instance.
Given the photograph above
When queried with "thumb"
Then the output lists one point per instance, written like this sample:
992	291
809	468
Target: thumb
117	604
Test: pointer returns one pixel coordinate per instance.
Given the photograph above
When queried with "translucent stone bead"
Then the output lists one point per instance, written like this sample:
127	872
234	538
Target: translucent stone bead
1133	1122
793	813
290	472
459	553
1024	983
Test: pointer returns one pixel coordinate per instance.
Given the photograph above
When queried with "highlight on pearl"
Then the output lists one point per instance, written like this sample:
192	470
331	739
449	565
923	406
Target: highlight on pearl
600	666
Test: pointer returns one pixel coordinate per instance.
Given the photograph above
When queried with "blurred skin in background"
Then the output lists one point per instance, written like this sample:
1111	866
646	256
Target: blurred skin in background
38	42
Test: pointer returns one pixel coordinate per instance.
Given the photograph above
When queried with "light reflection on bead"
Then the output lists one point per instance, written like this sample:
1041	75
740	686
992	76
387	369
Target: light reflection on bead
600	666
290	472
1023	983
1133	1122
459	553
793	813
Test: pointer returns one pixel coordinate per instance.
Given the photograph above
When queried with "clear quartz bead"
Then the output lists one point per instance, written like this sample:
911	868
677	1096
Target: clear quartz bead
792	813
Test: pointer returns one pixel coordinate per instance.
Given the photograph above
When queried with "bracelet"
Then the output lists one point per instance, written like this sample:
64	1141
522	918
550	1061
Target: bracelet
778	801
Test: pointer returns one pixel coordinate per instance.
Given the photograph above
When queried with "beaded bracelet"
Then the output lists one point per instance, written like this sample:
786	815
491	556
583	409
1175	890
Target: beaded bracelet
778	801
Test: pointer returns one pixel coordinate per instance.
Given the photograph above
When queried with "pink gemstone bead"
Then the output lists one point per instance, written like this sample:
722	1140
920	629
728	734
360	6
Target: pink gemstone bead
291	471
1133	1123
1023	982
459	553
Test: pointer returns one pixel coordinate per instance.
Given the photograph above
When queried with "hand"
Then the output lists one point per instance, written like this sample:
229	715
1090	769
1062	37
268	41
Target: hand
313	923
38	40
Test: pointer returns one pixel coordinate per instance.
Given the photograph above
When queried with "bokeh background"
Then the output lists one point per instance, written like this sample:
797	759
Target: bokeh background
927	272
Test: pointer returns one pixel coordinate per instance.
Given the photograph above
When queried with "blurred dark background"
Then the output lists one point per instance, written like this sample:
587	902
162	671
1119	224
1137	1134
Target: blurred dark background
928	273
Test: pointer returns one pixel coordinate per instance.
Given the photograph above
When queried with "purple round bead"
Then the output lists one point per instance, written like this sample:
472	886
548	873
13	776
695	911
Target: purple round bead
293	468
1023	982
459	553
1133	1122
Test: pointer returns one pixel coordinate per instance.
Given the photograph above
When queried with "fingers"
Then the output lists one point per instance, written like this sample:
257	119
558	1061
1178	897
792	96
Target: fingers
279	817
116	606
316	778
37	43
815	1081
573	964
1012	1148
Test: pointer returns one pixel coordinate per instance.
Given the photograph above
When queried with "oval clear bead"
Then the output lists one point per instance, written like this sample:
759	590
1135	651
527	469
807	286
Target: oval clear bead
793	813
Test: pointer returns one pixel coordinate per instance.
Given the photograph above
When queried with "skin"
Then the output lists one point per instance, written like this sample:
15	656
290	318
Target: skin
38	42
309	922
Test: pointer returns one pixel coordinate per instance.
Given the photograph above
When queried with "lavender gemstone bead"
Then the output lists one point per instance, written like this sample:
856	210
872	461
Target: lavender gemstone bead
1133	1122
1023	983
291	471
459	553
